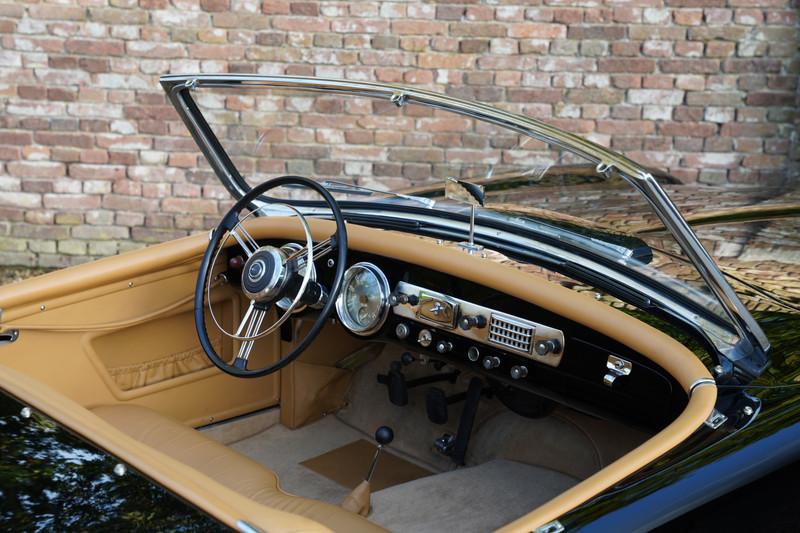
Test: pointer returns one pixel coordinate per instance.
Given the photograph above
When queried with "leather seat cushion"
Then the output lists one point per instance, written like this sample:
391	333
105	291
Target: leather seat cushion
227	466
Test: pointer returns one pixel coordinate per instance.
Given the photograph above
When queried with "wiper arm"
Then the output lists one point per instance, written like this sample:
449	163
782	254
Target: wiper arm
348	188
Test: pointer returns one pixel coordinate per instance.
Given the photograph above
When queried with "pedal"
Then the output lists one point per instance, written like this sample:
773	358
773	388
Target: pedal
397	385
395	382
445	443
437	404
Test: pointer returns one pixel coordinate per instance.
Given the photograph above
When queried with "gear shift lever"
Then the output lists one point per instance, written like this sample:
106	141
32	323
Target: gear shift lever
358	501
383	436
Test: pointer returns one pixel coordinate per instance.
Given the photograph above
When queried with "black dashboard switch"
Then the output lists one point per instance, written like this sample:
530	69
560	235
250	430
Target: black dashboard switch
519	372
468	322
490	362
444	347
399	298
546	347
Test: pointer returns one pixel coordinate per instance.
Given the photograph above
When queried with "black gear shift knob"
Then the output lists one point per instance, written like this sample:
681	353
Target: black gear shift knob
384	435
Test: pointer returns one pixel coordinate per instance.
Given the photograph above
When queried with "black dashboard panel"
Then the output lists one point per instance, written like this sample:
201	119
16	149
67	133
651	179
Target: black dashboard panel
647	396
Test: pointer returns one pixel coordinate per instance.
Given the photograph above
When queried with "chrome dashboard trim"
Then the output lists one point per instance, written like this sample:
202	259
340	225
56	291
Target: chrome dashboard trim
540	332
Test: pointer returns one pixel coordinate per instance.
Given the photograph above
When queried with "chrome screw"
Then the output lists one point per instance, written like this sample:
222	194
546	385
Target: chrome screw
130	284
26	412
718	370
598	296
42	307
120	470
330	263
748	411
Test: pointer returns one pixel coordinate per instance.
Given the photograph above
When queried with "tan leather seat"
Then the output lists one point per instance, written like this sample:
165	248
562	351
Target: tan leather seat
230	468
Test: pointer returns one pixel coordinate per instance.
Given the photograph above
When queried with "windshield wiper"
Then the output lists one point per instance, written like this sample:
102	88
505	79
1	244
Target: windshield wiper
348	188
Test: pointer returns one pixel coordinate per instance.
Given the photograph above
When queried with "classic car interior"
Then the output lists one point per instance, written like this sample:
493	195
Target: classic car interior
288	373
503	391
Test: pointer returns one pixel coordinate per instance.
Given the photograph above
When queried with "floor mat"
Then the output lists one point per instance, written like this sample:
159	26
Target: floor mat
468	500
349	464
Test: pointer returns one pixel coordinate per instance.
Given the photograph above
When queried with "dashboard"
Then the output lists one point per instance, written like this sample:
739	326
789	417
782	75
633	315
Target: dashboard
511	342
514	345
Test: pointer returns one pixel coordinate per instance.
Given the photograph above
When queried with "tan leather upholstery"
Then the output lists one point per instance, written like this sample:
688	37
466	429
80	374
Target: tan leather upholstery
43	356
225	465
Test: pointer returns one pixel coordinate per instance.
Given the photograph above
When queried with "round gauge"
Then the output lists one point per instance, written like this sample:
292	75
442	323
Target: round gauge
363	303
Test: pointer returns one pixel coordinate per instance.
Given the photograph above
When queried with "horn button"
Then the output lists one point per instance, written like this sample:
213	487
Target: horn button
265	274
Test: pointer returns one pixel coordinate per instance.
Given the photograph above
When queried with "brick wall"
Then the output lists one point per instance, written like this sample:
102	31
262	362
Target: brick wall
93	161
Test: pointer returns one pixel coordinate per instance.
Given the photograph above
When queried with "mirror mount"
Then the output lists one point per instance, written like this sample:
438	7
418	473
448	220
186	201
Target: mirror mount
467	193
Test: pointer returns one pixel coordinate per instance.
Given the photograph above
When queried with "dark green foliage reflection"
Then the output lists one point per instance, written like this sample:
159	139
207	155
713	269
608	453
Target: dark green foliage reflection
51	480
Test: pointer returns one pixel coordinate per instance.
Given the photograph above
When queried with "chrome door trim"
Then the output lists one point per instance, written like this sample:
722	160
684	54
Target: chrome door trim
753	342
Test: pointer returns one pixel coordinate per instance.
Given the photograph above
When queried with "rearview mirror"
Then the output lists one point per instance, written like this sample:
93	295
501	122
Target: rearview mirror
464	191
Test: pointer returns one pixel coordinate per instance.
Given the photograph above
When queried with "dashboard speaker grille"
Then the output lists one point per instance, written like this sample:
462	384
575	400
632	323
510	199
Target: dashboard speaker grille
512	334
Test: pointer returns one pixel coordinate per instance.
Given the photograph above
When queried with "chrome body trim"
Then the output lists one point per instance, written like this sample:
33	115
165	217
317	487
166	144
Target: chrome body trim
753	343
700	382
9	336
551	527
246	527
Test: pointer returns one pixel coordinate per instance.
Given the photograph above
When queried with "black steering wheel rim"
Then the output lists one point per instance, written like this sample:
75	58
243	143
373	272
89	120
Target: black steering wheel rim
228	222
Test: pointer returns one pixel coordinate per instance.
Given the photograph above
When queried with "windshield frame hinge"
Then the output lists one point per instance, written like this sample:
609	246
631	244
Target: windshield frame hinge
399	98
716	419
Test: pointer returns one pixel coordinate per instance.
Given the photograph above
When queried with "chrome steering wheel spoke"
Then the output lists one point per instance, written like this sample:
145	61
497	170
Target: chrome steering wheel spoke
250	325
245	240
321	249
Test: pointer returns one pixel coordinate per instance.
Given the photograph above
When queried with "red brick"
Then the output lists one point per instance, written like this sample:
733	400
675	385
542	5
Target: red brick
771	99
95	47
626	65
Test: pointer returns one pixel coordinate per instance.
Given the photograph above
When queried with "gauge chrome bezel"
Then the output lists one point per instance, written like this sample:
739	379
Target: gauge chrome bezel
341	307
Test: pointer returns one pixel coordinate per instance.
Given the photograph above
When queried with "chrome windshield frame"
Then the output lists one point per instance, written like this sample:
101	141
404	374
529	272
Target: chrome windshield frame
753	344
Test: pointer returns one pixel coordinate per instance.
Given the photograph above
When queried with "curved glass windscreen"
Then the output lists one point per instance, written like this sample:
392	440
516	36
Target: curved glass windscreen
375	151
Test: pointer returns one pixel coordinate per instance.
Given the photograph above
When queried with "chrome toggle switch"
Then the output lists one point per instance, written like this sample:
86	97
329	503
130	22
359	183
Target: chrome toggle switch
425	338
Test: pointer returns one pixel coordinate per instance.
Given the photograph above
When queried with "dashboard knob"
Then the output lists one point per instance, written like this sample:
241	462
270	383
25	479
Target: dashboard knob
473	353
549	346
444	346
468	322
425	338
402	330
519	371
399	298
490	362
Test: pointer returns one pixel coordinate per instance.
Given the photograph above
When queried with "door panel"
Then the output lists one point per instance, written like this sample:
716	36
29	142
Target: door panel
134	341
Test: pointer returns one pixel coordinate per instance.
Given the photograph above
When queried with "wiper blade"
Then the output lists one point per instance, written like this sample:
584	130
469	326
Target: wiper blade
348	188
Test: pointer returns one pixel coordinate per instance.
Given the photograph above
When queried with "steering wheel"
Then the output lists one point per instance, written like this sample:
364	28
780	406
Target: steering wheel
270	275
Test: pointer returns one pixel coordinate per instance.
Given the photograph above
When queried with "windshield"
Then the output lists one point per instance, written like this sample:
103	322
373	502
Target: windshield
368	143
